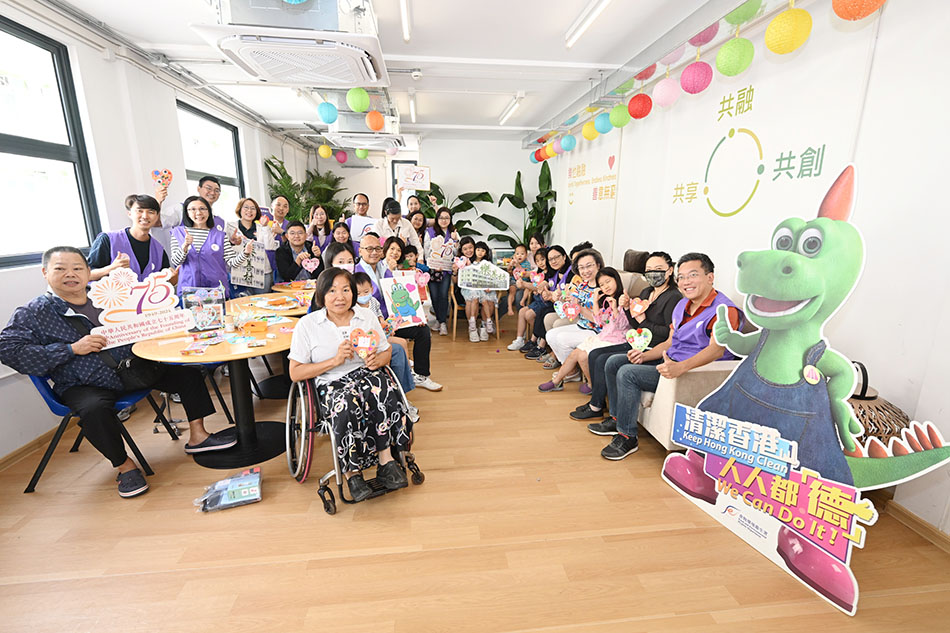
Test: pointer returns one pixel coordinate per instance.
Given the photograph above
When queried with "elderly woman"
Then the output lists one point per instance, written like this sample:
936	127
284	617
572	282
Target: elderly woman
358	397
564	339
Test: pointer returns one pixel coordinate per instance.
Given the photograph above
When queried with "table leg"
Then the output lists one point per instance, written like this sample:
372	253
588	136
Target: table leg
257	441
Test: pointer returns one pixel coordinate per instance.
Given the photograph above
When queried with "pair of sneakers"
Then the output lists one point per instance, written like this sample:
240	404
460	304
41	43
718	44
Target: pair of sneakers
620	445
391	475
476	335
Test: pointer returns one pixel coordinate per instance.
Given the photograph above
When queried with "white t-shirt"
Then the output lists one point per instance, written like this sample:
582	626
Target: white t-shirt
316	339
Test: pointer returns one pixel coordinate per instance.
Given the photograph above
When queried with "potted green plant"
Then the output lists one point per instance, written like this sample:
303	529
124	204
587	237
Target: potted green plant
538	218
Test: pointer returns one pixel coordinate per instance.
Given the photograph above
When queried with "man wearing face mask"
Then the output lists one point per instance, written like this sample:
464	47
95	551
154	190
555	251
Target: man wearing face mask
652	310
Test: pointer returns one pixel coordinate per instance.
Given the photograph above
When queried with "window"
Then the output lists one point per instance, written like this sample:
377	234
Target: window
211	148
44	170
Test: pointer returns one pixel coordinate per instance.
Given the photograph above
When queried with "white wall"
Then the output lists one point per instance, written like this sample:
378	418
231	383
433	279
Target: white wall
896	319
130	124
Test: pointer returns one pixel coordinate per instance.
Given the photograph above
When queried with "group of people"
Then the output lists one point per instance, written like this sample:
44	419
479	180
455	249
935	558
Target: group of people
675	315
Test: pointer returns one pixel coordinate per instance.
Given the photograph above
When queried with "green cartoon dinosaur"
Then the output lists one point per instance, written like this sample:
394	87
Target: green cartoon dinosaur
403	305
790	380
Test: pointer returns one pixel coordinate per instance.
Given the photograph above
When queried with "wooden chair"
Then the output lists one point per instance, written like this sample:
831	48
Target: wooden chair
456	307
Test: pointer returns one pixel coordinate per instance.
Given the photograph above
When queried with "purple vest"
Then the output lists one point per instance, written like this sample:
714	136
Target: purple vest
119	243
204	268
323	243
690	339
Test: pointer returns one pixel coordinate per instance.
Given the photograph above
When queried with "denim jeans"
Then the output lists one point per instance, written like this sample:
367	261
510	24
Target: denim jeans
596	360
625	382
400	366
440	296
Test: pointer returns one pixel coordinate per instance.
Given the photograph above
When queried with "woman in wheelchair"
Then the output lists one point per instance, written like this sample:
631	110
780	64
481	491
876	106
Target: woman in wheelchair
358	396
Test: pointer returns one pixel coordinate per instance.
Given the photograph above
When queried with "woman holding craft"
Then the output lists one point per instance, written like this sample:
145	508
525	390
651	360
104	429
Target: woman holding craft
359	398
202	250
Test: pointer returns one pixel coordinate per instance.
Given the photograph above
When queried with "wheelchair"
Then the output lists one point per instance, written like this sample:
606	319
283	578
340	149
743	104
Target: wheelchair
303	428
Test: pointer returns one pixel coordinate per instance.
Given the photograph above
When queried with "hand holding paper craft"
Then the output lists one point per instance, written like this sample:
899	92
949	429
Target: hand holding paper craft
310	265
365	343
162	177
639	338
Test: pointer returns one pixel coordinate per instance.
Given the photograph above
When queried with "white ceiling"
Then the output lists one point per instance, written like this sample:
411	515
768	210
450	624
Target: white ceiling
474	57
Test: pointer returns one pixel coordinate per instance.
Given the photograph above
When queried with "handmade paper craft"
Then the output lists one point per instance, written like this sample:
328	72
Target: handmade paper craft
442	252
422	282
365	343
483	276
567	309
537	277
638	306
162	177
402	299
461	262
207	304
414	177
639	338
310	265
774	452
252	273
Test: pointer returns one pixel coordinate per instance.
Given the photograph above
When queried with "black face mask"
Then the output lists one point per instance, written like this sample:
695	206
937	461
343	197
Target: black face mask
655	278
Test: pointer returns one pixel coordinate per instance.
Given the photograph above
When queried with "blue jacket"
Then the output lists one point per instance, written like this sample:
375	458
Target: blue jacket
37	341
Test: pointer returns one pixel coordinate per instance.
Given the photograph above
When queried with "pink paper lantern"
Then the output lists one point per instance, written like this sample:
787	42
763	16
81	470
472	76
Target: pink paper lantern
666	92
392	151
705	36
340	157
673	57
696	77
556	145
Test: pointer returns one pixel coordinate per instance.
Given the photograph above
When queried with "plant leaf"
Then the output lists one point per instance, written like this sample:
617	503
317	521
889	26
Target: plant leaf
544	179
498	223
498	237
467	231
513	199
476	196
461	223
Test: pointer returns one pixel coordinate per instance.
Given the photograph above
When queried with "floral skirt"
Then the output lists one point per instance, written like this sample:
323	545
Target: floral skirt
480	295
366	413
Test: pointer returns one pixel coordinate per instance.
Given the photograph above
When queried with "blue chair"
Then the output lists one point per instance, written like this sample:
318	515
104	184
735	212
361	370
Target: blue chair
58	408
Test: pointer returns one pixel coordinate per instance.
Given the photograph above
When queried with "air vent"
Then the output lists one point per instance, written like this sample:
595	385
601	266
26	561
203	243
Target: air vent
364	140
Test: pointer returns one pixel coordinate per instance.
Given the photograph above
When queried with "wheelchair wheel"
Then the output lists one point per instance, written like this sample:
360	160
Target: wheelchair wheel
300	420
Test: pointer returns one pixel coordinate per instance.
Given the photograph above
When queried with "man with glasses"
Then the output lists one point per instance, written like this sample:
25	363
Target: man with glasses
691	345
371	252
361	223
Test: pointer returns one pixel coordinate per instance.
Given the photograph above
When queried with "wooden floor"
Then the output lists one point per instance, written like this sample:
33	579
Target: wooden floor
519	526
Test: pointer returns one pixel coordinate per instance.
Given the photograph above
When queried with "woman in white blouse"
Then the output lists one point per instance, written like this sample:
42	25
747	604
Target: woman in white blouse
357	395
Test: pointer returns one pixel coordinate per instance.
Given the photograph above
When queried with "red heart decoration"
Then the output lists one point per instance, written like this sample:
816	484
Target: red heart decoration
310	265
610	162
638	306
364	343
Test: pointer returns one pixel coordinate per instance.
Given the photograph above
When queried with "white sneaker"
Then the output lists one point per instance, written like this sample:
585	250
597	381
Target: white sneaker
490	326
413	413
575	377
482	333
516	344
426	382
473	335
443	331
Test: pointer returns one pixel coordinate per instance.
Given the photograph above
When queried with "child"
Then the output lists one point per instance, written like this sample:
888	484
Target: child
530	302
612	327
365	298
517	262
410	261
472	253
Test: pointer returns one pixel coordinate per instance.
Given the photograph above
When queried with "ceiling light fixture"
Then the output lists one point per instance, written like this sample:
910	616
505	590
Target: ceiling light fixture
584	20
412	104
404	16
511	107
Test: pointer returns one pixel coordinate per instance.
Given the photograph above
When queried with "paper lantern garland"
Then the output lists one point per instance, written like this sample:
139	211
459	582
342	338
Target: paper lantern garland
734	56
392	151
374	120
788	31
705	36
646	73
744	12
589	132
696	77
533	158
327	112
619	116
674	56
640	106
602	123
361	153
666	92
357	99
855	9
341	157
568	142
325	151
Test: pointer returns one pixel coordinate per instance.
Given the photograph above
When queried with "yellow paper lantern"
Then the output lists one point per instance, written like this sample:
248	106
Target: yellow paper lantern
324	151
547	151
788	31
589	131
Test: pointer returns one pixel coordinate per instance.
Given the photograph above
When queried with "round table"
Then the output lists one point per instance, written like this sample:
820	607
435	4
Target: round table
276	387
257	441
287	287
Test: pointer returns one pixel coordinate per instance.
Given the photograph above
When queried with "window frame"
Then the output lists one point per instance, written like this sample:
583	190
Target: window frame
74	153
236	141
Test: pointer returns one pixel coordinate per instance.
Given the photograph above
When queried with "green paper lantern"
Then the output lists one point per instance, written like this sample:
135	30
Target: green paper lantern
619	116
744	12
357	99
362	153
734	56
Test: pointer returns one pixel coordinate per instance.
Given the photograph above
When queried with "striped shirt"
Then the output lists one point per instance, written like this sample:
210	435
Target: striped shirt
198	237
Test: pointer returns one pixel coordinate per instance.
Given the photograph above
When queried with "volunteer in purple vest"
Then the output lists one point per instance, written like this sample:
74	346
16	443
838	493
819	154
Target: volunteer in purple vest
251	231
370	254
132	247
200	246
319	229
691	345
361	204
419	224
279	208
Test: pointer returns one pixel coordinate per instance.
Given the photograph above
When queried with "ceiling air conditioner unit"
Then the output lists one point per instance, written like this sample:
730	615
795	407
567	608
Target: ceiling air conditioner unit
319	44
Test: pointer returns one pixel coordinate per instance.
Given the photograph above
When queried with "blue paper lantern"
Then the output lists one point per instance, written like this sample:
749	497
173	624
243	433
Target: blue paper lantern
532	158
327	112
568	142
602	123
571	121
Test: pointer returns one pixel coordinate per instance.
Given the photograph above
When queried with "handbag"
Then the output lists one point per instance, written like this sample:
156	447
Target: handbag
881	419
134	372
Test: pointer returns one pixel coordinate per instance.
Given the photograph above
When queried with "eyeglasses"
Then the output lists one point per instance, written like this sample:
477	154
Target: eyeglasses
211	189
587	267
691	276
361	204
372	249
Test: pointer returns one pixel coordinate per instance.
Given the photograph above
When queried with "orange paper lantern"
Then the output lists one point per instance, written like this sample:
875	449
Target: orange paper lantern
374	120
855	9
